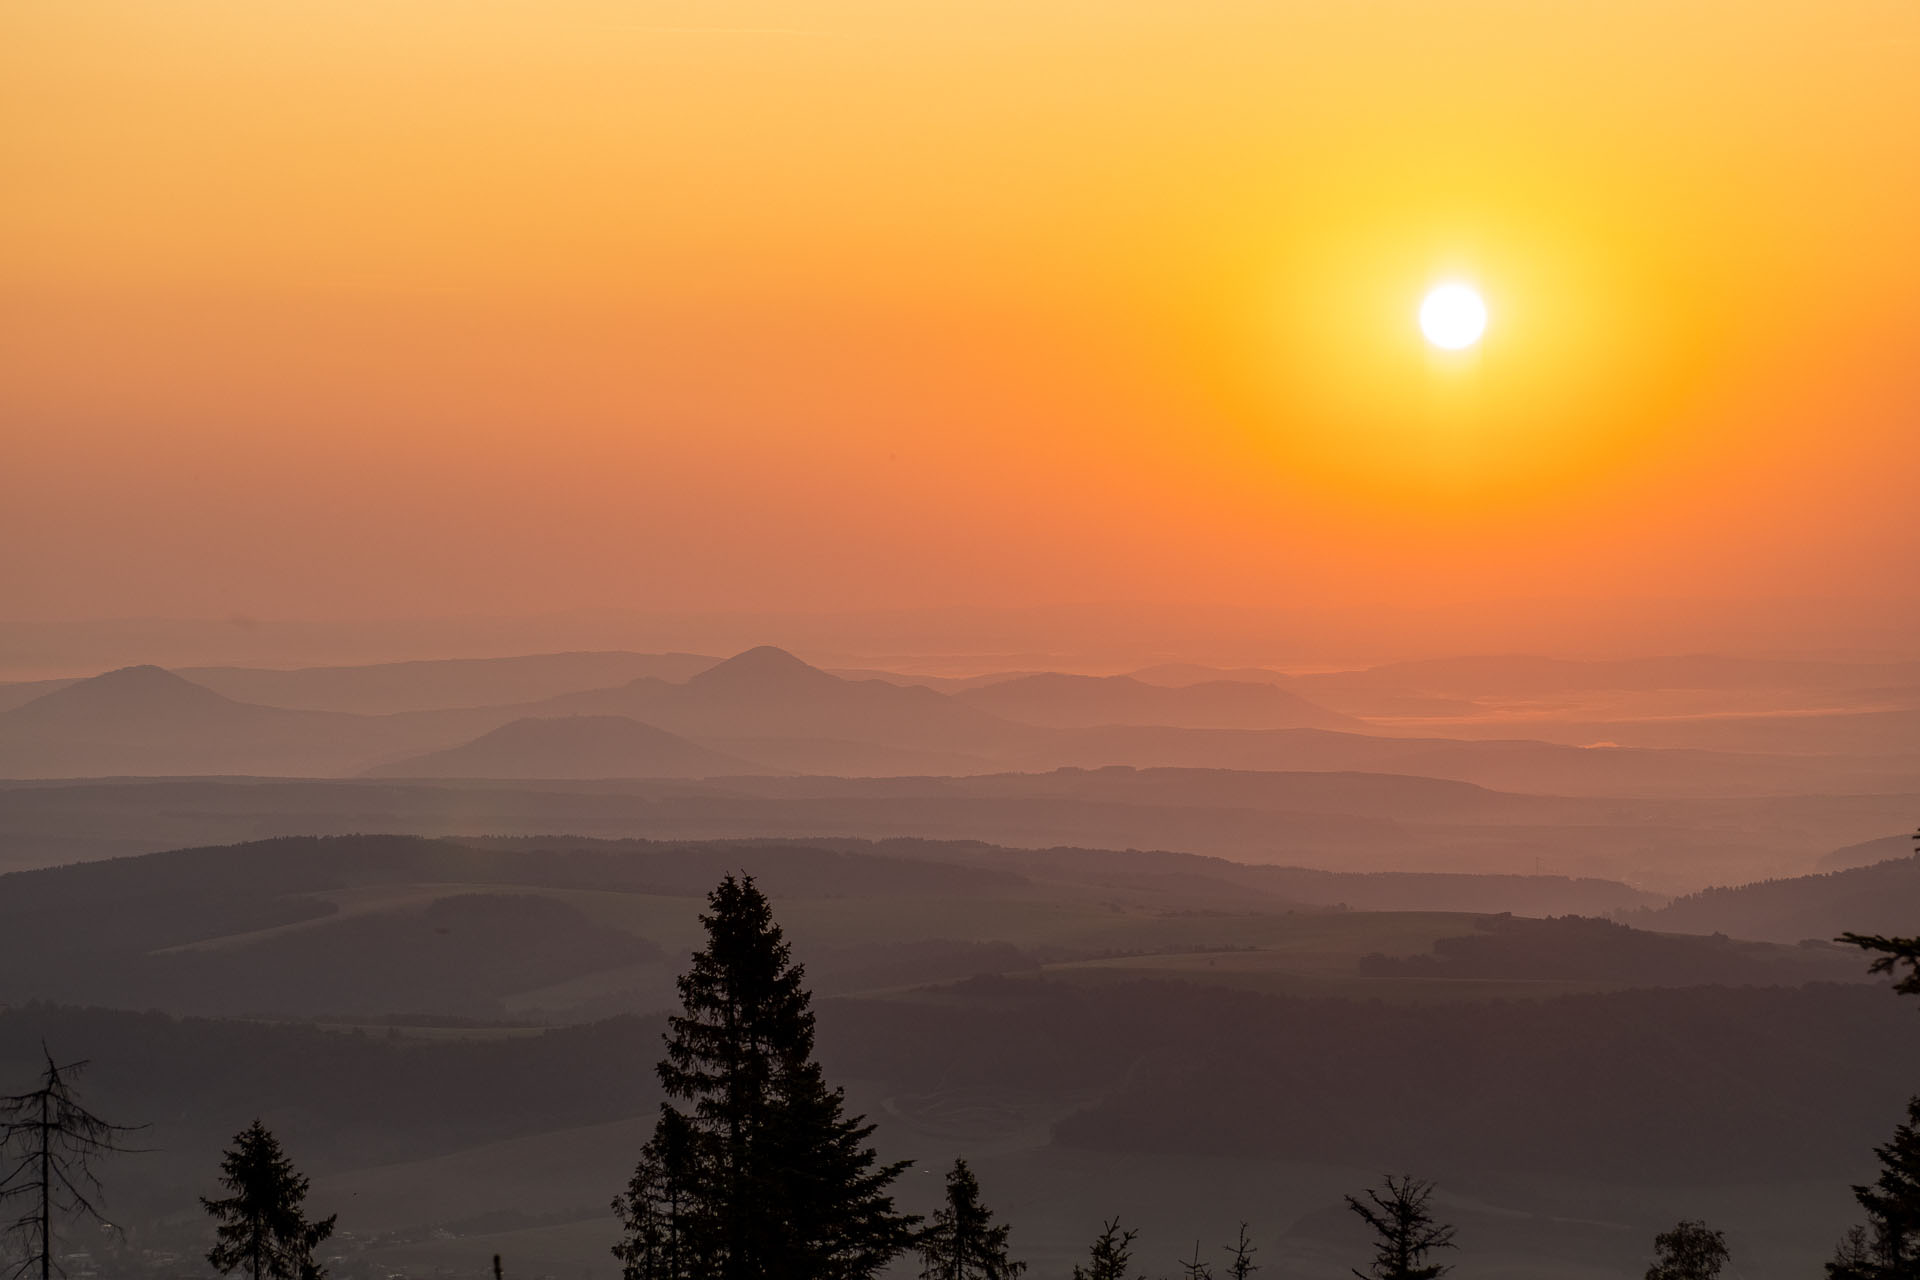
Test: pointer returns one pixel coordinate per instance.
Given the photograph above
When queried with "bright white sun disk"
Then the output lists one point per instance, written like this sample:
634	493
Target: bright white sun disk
1453	317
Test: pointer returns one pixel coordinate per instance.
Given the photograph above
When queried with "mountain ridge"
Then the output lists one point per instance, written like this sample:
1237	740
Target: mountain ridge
563	747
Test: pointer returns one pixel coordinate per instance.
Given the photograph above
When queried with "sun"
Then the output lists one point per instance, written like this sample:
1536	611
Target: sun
1453	317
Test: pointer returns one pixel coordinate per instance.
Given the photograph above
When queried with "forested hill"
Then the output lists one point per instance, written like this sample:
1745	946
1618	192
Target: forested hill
1701	1084
545	929
1576	948
1882	898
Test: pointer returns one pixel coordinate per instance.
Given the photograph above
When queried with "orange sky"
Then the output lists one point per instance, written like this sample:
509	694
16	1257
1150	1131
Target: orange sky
371	308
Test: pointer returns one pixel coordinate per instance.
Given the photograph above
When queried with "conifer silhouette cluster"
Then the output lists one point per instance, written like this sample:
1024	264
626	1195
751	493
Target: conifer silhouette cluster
52	1141
755	1171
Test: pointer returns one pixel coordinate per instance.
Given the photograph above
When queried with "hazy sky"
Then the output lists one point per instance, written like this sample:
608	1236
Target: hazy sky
358	308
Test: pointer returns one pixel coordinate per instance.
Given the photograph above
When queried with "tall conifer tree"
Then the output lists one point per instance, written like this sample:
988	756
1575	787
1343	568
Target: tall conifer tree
755	1171
962	1242
263	1225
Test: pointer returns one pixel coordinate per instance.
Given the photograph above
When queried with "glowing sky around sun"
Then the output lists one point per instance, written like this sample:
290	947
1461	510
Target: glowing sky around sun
374	307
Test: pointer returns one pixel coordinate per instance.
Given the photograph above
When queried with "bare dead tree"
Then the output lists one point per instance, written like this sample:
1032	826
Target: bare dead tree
1198	1268
1242	1266
1404	1230
50	1142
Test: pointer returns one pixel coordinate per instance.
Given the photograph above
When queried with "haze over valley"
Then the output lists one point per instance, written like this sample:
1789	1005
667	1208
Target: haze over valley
1029	903
959	640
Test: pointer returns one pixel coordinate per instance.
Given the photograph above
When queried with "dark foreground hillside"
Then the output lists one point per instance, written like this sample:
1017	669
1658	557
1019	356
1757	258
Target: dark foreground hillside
1655	1094
1696	1084
457	1038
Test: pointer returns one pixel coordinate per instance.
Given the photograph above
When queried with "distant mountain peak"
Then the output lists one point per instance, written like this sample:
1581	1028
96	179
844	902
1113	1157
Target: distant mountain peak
144	674
144	685
139	720
764	666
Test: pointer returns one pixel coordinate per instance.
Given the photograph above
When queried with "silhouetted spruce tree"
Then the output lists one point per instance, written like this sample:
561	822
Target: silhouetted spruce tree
1240	1254
1404	1230
1892	1203
262	1226
962	1242
762	1175
1691	1251
1108	1255
51	1142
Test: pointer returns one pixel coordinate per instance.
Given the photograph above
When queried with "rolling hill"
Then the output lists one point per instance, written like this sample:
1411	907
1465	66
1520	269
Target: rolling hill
1504	763
143	720
560	926
572	747
1882	898
778	714
16	693
1521	675
1157	1035
1337	821
441	684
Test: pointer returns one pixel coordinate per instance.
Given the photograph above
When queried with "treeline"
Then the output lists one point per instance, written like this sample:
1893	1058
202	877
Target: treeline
1590	949
1880	896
